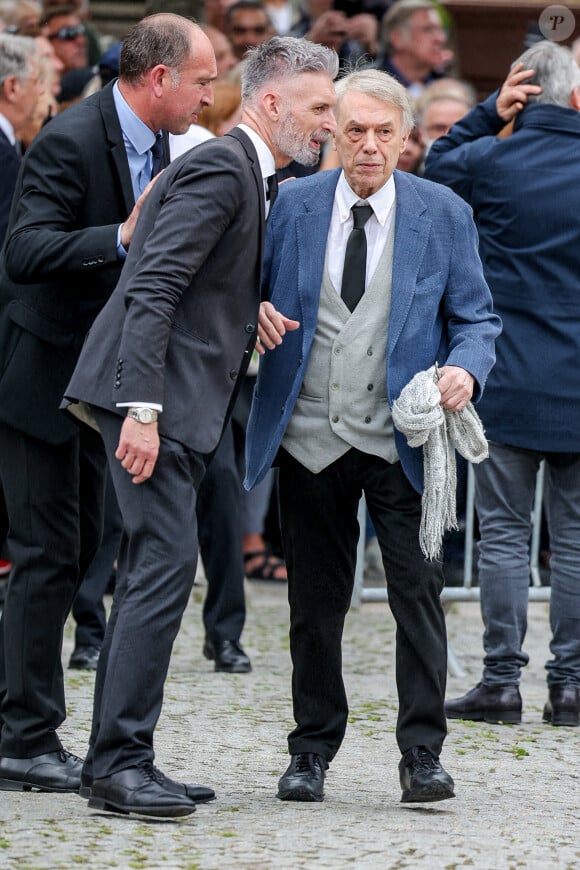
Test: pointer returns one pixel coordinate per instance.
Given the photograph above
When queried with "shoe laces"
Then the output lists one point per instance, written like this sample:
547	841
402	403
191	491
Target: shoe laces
64	756
150	772
307	761
420	756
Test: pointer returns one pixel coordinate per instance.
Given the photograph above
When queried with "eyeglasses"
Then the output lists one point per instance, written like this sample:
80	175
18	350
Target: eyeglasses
68	33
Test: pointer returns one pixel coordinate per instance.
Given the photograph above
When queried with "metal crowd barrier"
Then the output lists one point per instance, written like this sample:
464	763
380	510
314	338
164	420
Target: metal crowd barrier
467	592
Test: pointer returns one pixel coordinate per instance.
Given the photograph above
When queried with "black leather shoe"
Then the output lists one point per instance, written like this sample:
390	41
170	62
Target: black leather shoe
422	777
304	778
199	794
85	658
140	790
563	707
228	656
494	704
54	771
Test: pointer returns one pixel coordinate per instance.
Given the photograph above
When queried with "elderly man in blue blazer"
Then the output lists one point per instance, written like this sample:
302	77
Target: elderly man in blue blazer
344	330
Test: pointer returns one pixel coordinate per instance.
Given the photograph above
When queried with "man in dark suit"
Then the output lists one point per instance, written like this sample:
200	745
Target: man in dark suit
159	373
20	87
67	238
322	410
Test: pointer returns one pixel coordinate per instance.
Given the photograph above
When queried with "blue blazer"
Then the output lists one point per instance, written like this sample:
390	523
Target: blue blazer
441	307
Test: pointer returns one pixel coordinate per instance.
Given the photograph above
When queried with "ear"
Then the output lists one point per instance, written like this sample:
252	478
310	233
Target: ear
398	38
159	78
272	104
575	99
404	142
10	89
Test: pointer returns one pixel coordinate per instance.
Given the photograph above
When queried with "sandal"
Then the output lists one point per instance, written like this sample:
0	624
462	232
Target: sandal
265	568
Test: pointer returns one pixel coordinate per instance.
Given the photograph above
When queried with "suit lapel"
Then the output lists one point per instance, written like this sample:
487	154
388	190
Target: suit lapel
117	145
248	147
412	226
311	235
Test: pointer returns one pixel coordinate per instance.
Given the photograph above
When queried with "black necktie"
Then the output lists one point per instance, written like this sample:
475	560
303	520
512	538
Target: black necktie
157	161
271	190
355	258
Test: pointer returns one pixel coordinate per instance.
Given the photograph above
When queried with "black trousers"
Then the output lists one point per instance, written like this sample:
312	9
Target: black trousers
156	569
88	607
219	519
320	533
54	497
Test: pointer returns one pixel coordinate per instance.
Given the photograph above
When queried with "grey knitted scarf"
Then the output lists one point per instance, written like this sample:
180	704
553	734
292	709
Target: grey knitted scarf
418	414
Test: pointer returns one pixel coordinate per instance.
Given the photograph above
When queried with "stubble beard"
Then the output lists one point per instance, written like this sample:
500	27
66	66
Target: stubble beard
293	142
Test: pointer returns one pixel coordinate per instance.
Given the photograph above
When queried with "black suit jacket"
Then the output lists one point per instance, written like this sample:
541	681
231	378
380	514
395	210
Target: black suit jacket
179	328
10	164
60	263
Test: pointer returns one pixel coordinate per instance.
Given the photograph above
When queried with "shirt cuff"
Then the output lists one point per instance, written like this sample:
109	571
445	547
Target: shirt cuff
121	251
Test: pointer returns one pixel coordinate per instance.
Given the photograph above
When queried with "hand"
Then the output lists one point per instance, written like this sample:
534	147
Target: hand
138	448
128	228
272	325
364	29
330	29
513	95
456	387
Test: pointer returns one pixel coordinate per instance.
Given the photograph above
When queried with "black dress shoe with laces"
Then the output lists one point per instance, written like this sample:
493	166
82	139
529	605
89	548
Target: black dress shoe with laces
563	707
422	777
228	655
494	704
142	789
58	771
85	658
199	794
304	778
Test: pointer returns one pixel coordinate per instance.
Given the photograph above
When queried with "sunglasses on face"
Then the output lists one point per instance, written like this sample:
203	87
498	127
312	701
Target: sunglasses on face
68	33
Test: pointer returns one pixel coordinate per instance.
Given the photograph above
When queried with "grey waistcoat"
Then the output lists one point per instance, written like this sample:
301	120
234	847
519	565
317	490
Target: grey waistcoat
343	399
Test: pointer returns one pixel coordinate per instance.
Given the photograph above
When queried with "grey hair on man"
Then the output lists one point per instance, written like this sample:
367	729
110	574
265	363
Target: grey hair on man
555	70
382	86
17	56
163	38
281	57
398	17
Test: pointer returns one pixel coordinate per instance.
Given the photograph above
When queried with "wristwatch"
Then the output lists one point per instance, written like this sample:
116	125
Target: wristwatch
143	415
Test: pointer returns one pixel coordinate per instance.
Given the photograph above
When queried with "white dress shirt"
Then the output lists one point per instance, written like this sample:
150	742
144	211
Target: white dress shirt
341	223
265	158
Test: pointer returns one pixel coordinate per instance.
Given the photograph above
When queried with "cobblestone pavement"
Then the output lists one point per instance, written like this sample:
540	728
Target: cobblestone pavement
518	787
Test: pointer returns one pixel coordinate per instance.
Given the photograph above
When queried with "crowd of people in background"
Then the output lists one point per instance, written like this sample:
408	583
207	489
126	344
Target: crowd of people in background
52	57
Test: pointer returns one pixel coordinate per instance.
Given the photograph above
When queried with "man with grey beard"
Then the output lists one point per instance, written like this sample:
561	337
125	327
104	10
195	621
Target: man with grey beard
158	375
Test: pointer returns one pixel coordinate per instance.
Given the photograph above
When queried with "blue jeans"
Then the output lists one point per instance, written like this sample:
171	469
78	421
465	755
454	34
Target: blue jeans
504	493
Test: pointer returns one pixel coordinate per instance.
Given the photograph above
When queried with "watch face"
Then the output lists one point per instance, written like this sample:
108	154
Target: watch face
145	415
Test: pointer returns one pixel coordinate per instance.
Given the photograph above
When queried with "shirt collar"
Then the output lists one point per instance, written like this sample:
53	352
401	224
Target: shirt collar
134	129
7	129
382	201
265	156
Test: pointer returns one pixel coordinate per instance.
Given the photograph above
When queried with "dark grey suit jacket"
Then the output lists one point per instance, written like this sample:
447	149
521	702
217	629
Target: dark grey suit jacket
179	328
60	262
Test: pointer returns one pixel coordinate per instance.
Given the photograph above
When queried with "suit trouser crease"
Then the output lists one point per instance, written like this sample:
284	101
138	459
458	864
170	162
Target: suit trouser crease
504	490
54	495
320	533
156	570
